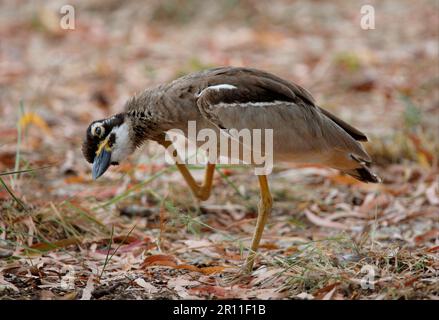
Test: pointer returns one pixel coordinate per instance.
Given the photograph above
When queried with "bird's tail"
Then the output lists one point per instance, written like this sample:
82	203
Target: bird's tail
354	166
362	172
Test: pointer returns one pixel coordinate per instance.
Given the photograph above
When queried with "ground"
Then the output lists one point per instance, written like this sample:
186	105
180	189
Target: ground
138	233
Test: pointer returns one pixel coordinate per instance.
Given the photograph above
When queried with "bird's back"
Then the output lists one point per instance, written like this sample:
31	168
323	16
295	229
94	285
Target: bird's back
244	98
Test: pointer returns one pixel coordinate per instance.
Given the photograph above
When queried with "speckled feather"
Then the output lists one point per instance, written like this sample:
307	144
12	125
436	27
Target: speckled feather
240	98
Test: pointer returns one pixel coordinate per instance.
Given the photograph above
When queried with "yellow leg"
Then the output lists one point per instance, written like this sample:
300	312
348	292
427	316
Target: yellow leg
264	209
201	192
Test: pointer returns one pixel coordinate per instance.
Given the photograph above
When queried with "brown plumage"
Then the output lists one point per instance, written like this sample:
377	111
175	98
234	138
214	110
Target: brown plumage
233	98
303	131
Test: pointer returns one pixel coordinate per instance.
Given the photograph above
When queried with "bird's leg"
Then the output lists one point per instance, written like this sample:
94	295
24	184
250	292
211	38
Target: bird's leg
201	192
264	211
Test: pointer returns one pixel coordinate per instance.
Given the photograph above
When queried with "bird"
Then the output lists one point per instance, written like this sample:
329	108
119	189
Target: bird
226	98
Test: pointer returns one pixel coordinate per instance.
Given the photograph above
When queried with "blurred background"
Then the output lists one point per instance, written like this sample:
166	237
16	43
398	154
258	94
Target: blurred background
54	81
384	80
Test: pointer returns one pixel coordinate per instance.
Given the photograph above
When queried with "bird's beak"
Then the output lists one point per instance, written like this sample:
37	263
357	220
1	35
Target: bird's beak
102	160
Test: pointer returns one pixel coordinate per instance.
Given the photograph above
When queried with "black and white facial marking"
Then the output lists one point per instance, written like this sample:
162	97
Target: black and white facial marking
116	130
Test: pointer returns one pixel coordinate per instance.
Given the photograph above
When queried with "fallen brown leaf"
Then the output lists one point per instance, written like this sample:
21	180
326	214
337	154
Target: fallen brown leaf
42	246
431	234
323	292
324	222
160	260
170	261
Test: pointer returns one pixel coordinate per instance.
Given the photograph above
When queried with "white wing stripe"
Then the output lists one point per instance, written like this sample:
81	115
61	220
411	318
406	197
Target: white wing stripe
250	104
217	88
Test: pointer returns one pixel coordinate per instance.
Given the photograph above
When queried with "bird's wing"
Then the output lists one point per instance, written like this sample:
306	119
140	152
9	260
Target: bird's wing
353	132
251	85
263	104
261	101
230	87
242	86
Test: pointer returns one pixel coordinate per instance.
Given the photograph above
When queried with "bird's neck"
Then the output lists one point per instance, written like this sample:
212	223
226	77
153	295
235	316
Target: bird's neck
147	117
155	111
142	128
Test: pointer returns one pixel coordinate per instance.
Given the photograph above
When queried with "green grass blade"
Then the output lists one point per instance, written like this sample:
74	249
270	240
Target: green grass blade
21	203
17	152
129	192
22	171
110	242
230	183
109	257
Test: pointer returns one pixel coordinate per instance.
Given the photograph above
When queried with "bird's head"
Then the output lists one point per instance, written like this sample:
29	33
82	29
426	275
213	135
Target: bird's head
107	142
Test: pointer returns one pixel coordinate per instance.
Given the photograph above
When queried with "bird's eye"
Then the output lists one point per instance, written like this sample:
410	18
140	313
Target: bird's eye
98	131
